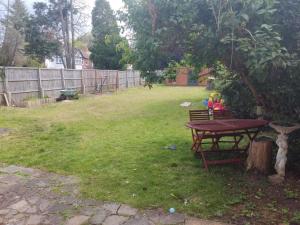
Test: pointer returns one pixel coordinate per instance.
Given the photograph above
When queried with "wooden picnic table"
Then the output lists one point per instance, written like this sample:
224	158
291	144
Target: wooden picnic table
217	129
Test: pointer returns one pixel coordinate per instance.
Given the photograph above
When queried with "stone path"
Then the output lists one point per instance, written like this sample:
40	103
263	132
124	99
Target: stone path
34	197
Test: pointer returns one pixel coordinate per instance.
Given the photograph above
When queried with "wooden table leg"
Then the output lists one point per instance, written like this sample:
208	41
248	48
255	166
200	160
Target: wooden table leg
198	148
251	138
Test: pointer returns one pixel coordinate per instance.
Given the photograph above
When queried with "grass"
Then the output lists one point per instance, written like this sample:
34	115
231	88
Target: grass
115	144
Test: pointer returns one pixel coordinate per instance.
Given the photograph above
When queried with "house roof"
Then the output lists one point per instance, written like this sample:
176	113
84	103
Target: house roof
206	72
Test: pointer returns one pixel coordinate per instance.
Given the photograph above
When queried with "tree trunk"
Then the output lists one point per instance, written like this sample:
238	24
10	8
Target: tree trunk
68	54
64	25
14	52
72	35
258	98
260	156
237	66
153	13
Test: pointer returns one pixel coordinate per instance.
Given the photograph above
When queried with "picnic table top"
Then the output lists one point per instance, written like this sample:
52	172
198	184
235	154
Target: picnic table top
226	125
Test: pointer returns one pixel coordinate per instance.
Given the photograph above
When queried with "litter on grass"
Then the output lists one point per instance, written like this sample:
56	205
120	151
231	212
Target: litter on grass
171	147
186	104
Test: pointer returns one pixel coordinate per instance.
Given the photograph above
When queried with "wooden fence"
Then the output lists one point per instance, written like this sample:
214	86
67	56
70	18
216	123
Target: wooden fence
18	84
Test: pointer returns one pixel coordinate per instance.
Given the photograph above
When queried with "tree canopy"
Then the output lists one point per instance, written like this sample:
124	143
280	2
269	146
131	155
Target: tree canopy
14	34
249	38
52	28
106	37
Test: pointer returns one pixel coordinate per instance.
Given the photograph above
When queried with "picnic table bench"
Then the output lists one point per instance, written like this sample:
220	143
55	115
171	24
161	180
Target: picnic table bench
217	129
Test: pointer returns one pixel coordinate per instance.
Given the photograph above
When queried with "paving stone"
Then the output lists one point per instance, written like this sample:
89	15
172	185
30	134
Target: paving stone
115	220
88	211
41	184
57	208
111	207
67	199
4	211
18	219
20	206
19	189
172	219
4	188
53	220
16	222
138	221
31	210
33	200
11	180
10	169
44	204
92	202
78	220
196	221
158	216
126	210
21	222
17	169
98	218
34	220
11	214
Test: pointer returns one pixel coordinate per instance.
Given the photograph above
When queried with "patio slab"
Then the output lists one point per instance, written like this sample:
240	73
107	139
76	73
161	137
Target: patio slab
34	197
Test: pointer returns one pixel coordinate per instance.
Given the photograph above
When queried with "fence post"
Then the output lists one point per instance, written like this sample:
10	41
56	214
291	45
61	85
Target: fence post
82	83
63	82
41	91
134	76
101	84
117	80
96	85
140	80
6	87
126	79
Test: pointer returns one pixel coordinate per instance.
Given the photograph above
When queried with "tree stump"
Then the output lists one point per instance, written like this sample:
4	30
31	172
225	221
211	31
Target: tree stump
260	156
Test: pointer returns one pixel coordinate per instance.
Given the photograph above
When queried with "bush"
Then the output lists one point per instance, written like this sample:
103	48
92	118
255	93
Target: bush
236	95
171	71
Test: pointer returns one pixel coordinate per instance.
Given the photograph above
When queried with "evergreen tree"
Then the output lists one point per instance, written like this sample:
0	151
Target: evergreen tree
14	38
106	37
41	38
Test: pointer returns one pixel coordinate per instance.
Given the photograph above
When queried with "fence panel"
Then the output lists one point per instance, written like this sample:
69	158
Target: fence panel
131	79
89	80
23	83
52	83
122	79
73	79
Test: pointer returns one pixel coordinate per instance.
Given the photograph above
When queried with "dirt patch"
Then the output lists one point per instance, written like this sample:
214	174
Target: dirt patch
264	203
4	131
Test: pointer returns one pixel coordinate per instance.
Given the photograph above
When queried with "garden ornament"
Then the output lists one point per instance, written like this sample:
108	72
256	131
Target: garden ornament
282	143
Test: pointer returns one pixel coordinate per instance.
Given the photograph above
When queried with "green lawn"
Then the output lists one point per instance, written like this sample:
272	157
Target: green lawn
115	144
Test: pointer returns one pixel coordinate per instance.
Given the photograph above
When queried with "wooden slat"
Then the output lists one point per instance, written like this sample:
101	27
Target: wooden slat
196	115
